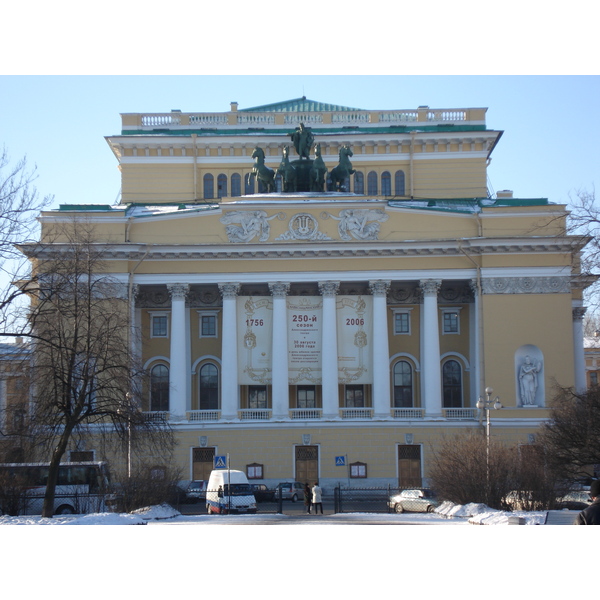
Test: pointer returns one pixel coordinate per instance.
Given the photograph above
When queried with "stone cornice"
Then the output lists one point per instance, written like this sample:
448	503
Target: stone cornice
338	249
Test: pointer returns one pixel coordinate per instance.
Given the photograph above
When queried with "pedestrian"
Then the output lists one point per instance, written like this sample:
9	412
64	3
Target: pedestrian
591	514
307	497
316	498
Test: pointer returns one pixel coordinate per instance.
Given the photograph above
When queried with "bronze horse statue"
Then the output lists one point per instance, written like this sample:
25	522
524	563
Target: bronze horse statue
318	172
262	172
342	171
287	172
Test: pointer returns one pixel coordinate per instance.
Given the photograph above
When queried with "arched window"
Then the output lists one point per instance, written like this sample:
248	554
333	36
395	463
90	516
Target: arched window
452	384
209	186
386	184
236	184
209	387
359	182
248	185
222	186
403	384
159	388
399	183
372	183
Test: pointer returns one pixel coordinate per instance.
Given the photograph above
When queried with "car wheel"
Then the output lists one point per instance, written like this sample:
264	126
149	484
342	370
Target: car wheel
398	508
295	498
430	508
65	509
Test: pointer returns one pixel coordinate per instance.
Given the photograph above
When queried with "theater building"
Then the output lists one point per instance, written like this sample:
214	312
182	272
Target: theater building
337	325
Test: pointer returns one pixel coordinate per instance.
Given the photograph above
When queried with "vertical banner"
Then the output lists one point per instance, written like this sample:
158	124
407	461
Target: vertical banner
304	322
355	338
255	339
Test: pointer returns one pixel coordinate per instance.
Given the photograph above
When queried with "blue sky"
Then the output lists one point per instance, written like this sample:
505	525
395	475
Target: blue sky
549	148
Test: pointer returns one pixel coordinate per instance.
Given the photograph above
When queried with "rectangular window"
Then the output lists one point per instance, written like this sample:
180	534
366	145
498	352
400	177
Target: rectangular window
450	321
208	325
358	470
159	326
355	396
257	396
306	396
401	323
254	471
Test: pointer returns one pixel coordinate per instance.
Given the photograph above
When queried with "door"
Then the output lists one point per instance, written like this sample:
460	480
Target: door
307	464
409	466
202	462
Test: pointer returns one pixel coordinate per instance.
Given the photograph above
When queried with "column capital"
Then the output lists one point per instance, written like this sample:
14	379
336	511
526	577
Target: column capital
430	286
329	288
229	290
178	291
279	289
379	287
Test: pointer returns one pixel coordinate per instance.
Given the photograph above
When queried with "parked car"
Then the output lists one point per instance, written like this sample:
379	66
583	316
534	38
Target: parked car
577	500
196	491
413	501
291	491
262	493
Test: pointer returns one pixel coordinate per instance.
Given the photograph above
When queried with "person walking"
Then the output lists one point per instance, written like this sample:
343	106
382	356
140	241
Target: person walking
591	514
316	498
307	497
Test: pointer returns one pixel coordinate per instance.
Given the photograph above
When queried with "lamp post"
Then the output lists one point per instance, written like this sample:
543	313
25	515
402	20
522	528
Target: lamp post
487	404
127	413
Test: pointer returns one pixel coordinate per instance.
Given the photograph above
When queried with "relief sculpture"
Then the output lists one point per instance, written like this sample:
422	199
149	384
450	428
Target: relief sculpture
243	226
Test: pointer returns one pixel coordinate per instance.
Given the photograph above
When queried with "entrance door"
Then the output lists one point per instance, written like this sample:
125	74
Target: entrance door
409	466
307	464
202	462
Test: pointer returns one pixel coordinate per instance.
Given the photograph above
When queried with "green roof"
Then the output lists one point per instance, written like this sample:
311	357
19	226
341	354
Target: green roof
300	105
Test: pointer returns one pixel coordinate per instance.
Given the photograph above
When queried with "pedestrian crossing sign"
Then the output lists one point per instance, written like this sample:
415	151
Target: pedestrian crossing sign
220	462
340	461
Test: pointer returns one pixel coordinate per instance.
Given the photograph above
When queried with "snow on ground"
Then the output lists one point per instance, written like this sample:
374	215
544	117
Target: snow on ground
446	514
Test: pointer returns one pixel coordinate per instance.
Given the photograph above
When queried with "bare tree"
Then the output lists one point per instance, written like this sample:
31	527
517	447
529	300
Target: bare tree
572	436
20	205
459	470
85	380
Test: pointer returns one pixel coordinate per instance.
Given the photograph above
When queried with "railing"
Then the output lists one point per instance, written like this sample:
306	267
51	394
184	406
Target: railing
284	120
255	414
356	413
303	414
460	414
156	416
203	415
407	413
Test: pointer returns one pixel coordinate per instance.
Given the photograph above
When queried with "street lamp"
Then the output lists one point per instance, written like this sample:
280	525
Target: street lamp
487	404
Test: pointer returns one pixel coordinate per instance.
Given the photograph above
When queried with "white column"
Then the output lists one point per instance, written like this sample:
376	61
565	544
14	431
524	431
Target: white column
431	379
179	367
578	350
229	358
381	350
329	353
279	364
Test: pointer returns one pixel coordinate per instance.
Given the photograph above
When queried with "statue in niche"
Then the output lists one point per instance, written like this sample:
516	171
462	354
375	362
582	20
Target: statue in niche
528	380
318	172
362	224
244	226
287	172
302	139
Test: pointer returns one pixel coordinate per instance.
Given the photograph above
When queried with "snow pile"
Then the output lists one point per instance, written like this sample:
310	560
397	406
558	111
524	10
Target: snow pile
161	511
480	514
106	519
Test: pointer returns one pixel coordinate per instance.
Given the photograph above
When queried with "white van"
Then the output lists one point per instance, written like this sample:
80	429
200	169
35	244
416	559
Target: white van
228	491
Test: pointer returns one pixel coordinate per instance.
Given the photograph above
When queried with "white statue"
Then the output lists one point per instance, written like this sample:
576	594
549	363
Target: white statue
528	381
251	224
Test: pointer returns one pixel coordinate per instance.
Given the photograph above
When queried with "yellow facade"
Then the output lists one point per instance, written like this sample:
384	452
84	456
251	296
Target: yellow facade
453	290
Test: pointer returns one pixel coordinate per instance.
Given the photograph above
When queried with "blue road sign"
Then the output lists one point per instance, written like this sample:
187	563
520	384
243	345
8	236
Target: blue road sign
220	462
340	461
